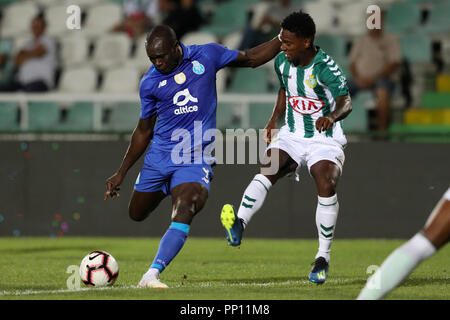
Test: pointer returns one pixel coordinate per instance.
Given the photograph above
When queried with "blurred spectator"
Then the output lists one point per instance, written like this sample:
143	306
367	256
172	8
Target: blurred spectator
139	17
35	62
374	61
6	63
182	16
265	22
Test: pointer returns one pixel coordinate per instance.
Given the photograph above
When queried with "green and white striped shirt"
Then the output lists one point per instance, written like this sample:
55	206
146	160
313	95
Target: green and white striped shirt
310	94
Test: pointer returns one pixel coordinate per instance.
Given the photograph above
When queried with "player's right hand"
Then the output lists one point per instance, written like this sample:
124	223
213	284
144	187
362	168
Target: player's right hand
112	186
269	132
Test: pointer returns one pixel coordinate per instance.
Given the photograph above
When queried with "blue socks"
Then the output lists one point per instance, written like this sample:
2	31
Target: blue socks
170	244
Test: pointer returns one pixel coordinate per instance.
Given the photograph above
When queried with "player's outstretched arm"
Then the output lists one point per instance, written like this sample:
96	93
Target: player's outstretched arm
343	109
278	111
140	139
258	55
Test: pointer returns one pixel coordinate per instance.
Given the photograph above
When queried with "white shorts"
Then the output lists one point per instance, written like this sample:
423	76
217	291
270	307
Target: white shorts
307	151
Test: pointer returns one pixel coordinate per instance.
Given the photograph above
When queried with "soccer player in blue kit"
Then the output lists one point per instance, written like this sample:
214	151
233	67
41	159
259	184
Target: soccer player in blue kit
178	102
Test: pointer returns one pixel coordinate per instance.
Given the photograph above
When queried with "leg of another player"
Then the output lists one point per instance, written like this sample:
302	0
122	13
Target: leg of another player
402	261
278	164
437	227
187	200
326	175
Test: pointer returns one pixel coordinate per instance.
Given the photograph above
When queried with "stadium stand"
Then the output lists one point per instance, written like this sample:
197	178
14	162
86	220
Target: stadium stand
120	80
74	50
78	80
101	18
111	50
8	117
80	118
139	60
56	22
94	60
17	17
43	116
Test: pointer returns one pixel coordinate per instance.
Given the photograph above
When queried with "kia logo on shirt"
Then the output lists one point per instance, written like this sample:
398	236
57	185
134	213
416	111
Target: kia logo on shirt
306	105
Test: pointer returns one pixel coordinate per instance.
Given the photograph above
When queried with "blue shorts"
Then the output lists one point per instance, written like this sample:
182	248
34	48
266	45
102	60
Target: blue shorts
167	176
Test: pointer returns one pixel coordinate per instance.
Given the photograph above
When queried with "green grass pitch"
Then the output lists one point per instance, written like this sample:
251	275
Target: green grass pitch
209	269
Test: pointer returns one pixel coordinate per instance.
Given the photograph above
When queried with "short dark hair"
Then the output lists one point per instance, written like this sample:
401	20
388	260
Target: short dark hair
301	24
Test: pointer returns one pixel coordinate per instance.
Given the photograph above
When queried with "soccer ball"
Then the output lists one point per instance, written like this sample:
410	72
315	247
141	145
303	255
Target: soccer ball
99	269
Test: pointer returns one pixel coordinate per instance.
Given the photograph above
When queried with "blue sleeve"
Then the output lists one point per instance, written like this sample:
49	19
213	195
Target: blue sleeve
220	55
148	102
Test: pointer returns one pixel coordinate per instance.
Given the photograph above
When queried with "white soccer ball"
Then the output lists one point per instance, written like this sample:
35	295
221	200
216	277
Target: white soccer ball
99	269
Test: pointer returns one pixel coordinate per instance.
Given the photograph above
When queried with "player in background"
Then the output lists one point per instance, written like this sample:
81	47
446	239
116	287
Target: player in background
313	95
178	94
402	261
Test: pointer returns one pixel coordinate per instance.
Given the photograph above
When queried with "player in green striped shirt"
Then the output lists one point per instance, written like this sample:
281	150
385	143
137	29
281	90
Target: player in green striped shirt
313	97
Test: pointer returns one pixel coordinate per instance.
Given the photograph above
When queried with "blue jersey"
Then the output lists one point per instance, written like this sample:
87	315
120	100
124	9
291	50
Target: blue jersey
185	103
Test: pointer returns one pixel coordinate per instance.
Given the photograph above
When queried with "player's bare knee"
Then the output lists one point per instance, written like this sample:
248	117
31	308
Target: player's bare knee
327	187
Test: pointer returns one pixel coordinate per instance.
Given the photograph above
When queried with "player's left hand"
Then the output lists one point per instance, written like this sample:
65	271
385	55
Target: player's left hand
324	123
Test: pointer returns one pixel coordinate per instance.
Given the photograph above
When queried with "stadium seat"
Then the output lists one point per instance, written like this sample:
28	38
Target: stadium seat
221	80
101	19
233	40
111	51
120	80
225	116
43	116
250	81
334	45
46	3
228	17
78	80
357	120
74	50
438	20
139	61
260	114
17	18
198	37
402	17
8	116
323	15
416	47
5	3
80	118
435	100
124	117
85	4
351	18
56	17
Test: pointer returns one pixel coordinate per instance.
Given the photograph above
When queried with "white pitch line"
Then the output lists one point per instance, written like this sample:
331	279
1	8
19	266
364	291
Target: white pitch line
31	292
189	285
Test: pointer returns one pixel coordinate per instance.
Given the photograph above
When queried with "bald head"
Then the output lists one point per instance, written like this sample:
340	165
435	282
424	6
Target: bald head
163	49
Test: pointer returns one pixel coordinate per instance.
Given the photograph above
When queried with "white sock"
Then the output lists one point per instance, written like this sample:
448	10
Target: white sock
326	216
253	197
397	266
